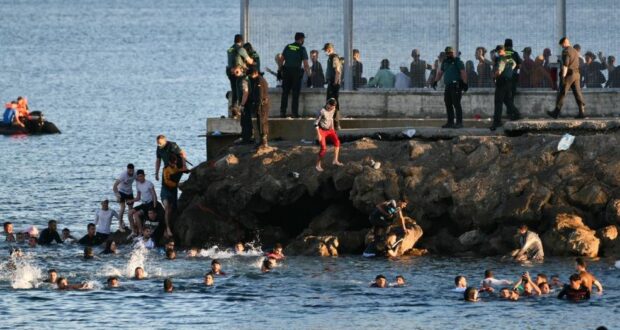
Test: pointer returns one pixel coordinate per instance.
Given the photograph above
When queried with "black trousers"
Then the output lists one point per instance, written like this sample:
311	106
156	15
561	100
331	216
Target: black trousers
503	95
333	91
233	86
452	98
571	82
291	82
246	123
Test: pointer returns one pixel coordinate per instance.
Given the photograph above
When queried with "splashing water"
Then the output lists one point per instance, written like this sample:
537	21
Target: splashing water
137	258
25	275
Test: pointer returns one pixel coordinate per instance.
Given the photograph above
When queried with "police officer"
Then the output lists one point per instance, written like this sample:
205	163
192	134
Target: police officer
333	75
293	56
569	79
237	56
455	78
517	59
503	72
259	105
243	90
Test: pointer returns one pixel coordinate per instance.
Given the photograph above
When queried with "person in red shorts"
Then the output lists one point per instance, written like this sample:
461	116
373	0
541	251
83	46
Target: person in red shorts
325	131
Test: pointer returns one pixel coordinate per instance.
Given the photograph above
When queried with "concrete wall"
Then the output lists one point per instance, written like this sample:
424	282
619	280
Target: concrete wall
427	103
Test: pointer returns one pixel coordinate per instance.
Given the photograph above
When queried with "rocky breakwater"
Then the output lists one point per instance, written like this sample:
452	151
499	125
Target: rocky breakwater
466	194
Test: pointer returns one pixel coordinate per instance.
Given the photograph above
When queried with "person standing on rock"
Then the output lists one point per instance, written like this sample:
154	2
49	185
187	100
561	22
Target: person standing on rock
531	246
570	79
324	125
455	78
166	148
259	105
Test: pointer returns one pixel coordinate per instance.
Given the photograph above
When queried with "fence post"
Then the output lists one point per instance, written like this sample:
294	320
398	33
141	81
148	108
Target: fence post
348	43
454	24
245	20
560	28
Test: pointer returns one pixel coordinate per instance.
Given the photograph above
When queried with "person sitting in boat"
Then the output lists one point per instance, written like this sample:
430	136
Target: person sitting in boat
22	108
11	116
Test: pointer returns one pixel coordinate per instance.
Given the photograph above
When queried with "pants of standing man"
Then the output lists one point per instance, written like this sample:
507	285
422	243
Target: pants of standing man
452	98
233	86
572	82
262	122
246	124
503	95
291	82
333	92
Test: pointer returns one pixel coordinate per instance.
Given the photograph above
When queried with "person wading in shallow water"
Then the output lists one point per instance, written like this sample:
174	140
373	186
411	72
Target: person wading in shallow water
531	246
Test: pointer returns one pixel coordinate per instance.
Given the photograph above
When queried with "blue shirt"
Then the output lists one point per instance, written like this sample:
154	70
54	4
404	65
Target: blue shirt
9	116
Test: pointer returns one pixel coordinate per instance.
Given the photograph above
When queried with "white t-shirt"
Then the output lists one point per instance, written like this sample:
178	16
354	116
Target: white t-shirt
125	183
103	220
144	189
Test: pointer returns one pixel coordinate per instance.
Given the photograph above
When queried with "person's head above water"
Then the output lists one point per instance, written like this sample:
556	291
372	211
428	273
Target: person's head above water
8	227
380	281
88	253
168	287
239	247
171	254
488	274
51	225
575	281
138	273
208	280
580	264
62	283
113	282
216	267
400	280
460	281
470	294
91	229
52	276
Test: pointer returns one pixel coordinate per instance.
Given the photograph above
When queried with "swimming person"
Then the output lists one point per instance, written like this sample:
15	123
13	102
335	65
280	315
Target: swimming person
470	294
276	252
492	281
324	125
88	253
380	282
138	273
63	284
506	293
52	276
168	287
66	236
587	279
50	234
400	281
268	264
91	238
239	248
208	280
531	247
113	282
103	220
575	291
460	283
526	286
8	232
110	248
216	268
171	254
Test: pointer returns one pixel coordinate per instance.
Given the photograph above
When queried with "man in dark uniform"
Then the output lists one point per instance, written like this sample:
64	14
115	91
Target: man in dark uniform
503	73
333	75
569	79
517	59
237	55
293	56
243	90
258	103
455	78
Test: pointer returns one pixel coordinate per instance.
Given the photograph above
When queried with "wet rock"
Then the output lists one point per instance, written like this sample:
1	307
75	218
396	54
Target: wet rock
471	238
569	236
335	218
322	246
612	212
198	225
592	196
226	161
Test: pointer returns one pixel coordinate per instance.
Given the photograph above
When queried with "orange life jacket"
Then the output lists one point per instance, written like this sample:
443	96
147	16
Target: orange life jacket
22	108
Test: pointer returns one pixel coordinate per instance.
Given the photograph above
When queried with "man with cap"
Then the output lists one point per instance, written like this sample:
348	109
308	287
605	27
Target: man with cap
293	56
526	68
258	103
569	80
417	70
237	55
333	75
517	59
455	78
503	73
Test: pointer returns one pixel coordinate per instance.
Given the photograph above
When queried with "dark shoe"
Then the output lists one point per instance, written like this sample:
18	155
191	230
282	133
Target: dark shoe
448	125
495	126
282	115
580	116
553	114
458	125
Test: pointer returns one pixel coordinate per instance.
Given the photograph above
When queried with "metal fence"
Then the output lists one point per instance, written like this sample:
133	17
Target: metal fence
391	29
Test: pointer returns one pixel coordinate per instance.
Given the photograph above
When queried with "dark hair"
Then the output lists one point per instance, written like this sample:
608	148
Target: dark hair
52	271
160	136
278	246
332	101
508	43
542	284
88	252
488	273
112	278
19	98
469	294
6	224
170	254
51	222
215	261
541	275
267	264
562	40
66	229
108	246
140	172
580	262
130	166
60	279
400	276
248	47
299	35
575	277
90	225
356	51
523	226
209	273
380	277
385	64
457	279
238	38
138	268
252	70
167	284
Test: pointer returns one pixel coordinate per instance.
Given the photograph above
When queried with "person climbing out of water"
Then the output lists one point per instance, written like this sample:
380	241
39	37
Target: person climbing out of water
385	213
91	238
587	279
169	190
113	282
147	195
50	234
277	252
138	273
460	283
168	286
123	191
52	276
575	291
470	294
88	253
8	232
10	116
268	264
324	125
380	282
103	220
531	247
209	280
258	103
166	148
216	268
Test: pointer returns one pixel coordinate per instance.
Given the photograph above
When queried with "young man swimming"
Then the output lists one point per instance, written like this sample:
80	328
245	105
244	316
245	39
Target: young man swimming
575	291
113	282
138	273
587	278
268	264
208	280
8	232
52	276
216	268
506	293
380	282
168	287
460	283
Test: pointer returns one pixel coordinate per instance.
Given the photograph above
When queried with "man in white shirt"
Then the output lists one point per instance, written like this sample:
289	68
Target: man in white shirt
123	189
402	78
145	194
103	220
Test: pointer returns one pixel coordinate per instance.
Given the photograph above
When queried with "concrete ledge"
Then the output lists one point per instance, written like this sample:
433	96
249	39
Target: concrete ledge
573	126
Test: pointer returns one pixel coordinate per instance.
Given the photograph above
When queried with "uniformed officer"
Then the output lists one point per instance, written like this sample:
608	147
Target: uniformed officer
333	75
293	56
243	90
569	79
237	55
455	78
515	73
259	105
503	72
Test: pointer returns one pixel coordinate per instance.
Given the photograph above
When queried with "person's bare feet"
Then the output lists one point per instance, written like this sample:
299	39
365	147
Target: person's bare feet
319	168
338	163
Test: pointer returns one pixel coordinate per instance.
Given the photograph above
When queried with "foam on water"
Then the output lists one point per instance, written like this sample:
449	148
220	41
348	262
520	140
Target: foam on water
137	258
618	264
26	275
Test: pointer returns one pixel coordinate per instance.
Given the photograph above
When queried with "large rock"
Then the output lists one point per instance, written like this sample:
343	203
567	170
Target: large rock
569	236
322	246
199	225
612	212
409	239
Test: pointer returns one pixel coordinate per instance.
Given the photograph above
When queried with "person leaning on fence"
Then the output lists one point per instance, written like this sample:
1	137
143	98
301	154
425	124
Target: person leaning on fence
324	125
455	78
504	72
333	75
237	56
569	79
293	56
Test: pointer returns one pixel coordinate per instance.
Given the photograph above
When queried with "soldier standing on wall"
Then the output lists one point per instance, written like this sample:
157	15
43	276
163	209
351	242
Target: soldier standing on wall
504	73
515	74
293	56
569	79
333	75
237	56
455	78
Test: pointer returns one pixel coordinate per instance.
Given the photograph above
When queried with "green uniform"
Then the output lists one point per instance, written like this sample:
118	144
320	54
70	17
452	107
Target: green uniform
256	59
505	67
243	83
333	65
237	55
294	54
451	69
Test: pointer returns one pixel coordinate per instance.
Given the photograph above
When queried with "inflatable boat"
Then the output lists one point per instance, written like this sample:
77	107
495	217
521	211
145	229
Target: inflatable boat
35	125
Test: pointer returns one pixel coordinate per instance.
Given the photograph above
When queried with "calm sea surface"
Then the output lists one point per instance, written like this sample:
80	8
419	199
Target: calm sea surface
114	74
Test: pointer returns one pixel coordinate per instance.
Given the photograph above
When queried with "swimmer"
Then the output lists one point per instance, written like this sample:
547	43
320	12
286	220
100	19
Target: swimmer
171	254
380	282
208	280
146	238
470	294
527	286
216	268
193	252
88	253
67	237
492	281
239	248
20	237
52	276
587	278
575	291
8	232
15	252
169	245
32	242
544	288
540	278
168	287
63	284
400	281
486	287
110	248
268	264
113	282
506	293
138	273
461	284
277	252
555	281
